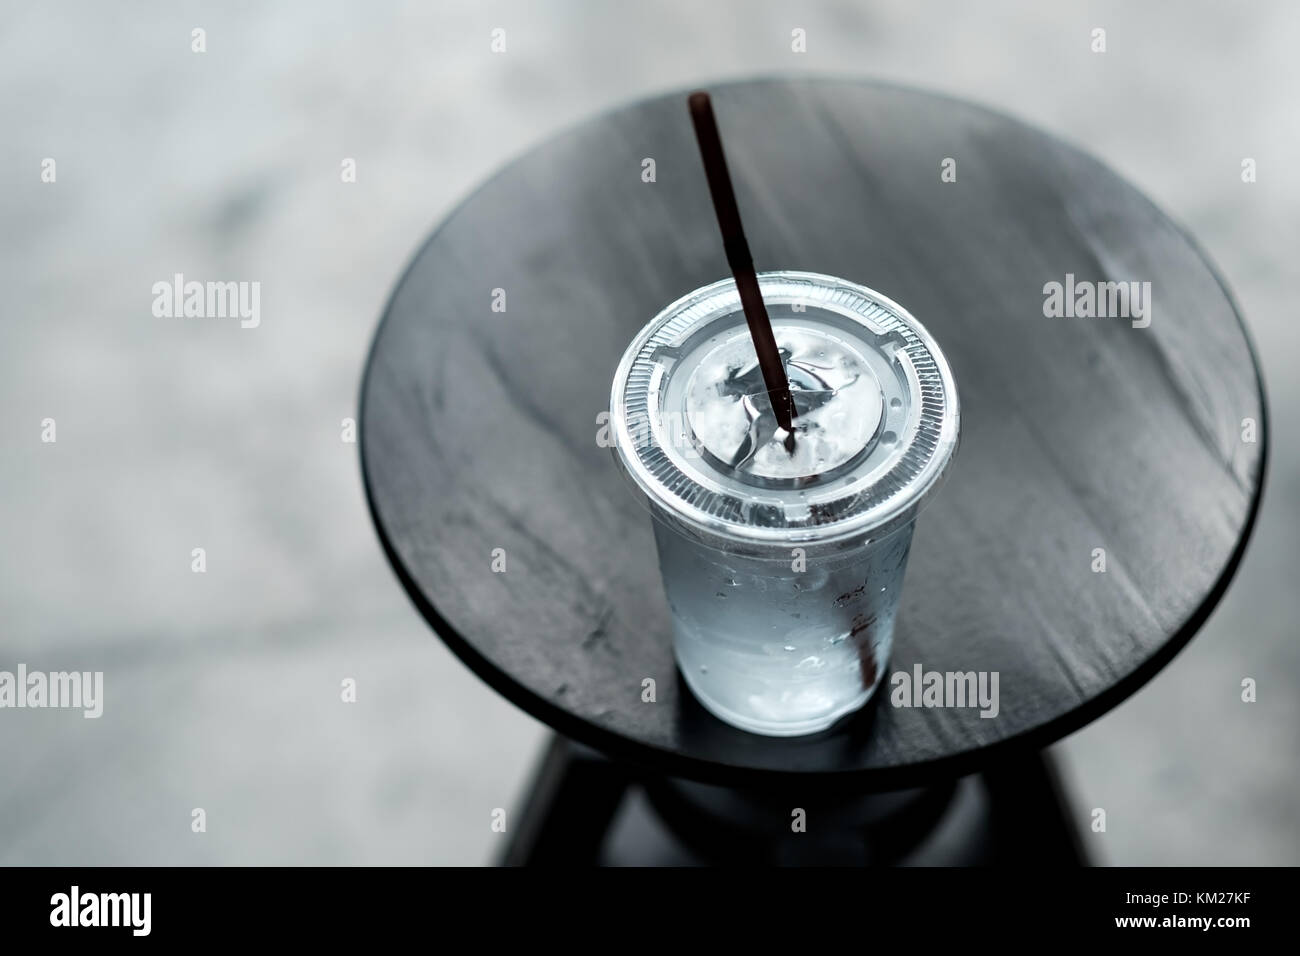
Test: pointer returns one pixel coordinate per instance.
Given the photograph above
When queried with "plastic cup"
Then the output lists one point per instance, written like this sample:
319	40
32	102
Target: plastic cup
782	561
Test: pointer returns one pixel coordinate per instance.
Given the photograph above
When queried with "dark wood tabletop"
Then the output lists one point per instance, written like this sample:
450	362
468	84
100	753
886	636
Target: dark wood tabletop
479	428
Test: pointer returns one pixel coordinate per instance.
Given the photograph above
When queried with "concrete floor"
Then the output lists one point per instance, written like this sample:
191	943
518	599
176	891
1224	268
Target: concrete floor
222	689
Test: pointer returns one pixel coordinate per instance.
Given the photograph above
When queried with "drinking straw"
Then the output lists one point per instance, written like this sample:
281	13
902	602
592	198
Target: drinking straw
740	261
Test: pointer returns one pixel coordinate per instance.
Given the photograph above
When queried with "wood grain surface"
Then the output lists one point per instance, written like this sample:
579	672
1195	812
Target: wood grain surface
479	428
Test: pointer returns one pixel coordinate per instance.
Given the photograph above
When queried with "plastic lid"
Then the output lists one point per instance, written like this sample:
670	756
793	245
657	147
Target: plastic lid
877	415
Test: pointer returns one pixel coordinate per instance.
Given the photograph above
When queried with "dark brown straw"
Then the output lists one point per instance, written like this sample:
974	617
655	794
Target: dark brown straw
738	258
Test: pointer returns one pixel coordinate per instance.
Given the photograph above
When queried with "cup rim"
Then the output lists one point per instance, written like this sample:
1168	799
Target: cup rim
918	469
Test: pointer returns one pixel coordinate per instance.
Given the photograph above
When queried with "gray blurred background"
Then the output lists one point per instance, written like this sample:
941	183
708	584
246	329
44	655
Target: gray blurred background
222	689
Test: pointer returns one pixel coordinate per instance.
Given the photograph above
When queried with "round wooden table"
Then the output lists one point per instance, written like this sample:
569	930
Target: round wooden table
1133	442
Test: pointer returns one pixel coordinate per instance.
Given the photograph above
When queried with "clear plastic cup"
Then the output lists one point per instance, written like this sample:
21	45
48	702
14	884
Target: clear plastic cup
783	561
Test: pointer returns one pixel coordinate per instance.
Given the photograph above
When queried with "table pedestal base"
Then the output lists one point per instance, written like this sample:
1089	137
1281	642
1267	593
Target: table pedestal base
584	809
